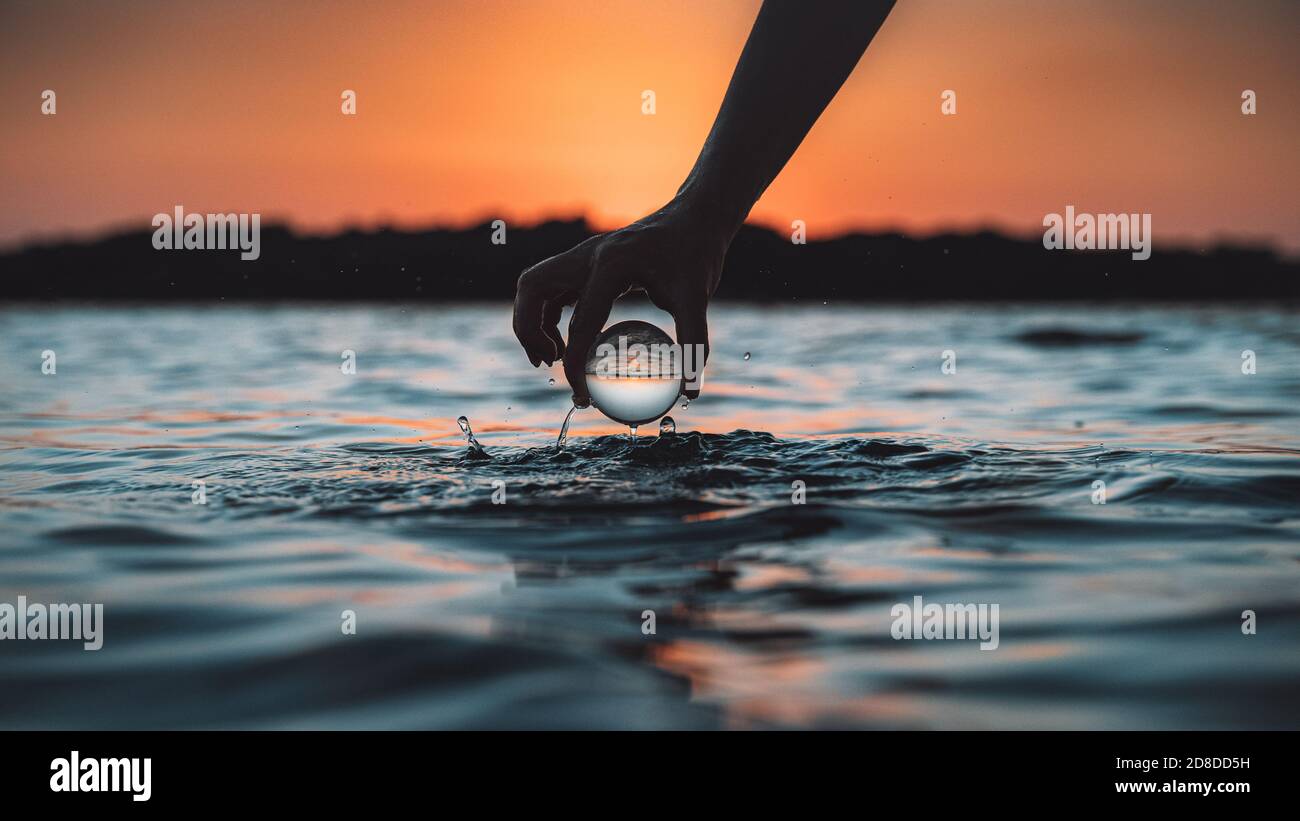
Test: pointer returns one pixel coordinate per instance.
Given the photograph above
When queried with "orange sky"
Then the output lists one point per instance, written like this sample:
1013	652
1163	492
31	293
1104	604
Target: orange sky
471	109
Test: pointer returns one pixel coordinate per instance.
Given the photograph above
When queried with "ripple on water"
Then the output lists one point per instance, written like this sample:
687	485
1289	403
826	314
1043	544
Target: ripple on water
771	559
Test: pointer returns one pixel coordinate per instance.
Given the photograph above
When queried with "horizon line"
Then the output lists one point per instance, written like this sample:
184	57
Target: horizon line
73	237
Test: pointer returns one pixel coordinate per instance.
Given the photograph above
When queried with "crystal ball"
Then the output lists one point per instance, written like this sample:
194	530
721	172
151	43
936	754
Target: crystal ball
634	372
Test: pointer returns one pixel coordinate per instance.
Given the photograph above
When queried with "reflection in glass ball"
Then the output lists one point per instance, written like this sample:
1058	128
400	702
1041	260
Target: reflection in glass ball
634	372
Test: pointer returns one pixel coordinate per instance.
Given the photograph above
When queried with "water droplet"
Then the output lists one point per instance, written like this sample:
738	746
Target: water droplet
564	429
686	403
551	381
667	425
746	356
474	446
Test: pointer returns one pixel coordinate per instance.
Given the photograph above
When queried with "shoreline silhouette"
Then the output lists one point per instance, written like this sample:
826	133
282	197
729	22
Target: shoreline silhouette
447	265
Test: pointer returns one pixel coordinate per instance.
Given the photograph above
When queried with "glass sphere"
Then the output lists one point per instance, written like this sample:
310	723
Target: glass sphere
634	372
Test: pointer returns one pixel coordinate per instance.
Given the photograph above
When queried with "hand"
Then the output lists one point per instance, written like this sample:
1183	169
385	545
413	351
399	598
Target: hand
796	58
673	255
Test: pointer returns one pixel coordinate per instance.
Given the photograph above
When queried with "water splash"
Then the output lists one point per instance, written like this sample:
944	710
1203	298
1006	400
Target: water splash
667	425
474	446
631	433
564	429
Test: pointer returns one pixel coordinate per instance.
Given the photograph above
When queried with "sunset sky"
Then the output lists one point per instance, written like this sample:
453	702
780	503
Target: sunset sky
472	110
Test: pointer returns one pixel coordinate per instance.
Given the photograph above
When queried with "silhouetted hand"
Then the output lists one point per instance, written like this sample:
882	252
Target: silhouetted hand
796	58
675	255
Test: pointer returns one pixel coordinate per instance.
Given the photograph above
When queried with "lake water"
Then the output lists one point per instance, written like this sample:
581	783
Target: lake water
327	492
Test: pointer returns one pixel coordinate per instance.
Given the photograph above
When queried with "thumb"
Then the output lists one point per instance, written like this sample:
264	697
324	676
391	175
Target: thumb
693	336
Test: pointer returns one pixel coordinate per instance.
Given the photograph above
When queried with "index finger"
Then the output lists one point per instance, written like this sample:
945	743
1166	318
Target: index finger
585	325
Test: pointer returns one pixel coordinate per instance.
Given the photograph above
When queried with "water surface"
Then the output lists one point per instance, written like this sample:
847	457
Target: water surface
328	491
